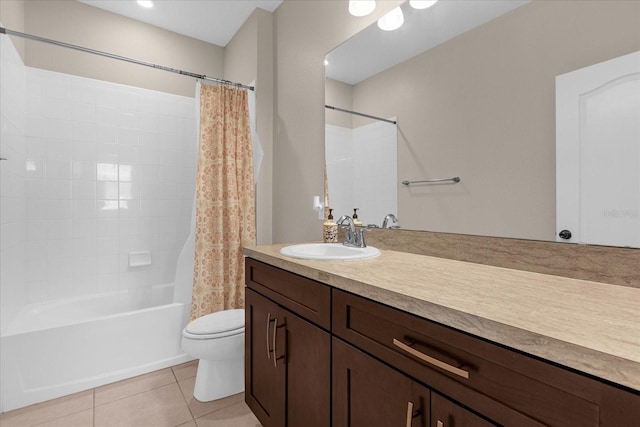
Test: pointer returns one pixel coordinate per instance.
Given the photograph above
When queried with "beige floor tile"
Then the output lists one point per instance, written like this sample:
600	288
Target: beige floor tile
79	419
133	386
198	408
185	370
189	424
160	407
48	411
237	415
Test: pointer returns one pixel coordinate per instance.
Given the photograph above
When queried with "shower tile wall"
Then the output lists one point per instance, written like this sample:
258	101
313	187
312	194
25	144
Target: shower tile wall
362	170
339	163
13	204
110	169
375	190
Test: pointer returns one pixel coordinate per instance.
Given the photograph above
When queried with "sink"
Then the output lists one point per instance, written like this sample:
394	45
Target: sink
329	252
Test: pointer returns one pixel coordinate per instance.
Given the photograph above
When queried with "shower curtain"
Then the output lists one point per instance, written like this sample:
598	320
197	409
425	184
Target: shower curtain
225	200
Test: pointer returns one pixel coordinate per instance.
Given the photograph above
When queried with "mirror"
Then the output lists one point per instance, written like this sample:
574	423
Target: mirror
361	168
478	103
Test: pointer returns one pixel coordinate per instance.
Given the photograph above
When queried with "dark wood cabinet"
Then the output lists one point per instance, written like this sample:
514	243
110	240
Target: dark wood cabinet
508	387
367	393
445	413
265	375
318	357
287	366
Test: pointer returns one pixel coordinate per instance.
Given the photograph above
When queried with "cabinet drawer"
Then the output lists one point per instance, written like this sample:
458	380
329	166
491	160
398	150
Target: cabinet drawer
307	298
442	357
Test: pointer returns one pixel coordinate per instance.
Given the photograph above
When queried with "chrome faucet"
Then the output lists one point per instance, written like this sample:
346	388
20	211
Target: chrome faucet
391	217
353	236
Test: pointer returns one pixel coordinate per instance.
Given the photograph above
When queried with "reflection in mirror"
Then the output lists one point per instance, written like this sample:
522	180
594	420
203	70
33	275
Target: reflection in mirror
361	169
478	103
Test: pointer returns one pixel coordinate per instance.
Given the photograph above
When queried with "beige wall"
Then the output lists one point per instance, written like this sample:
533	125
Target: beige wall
482	106
338	94
304	32
249	57
12	18
79	24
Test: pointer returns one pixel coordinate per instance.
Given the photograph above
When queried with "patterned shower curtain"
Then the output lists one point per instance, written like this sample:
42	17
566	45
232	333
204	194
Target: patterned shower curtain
225	200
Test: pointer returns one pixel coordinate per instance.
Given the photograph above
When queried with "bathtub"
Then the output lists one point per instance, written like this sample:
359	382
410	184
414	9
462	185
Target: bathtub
61	347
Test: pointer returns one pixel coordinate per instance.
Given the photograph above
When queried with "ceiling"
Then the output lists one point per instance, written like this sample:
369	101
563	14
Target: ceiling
213	21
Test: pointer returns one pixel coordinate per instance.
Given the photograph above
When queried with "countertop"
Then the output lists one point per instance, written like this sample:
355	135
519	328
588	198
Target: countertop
587	326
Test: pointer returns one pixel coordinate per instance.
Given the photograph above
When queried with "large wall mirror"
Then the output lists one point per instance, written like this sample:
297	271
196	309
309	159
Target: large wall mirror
476	102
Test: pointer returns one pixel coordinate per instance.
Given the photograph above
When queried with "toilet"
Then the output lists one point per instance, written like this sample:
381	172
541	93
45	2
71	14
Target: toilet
217	339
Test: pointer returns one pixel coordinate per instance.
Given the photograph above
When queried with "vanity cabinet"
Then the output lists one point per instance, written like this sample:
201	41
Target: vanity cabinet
493	383
321	356
369	393
287	348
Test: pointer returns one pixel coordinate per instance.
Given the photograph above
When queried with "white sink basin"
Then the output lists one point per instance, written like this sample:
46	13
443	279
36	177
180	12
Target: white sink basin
328	252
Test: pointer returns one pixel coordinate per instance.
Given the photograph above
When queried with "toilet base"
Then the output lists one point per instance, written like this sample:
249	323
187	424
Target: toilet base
218	379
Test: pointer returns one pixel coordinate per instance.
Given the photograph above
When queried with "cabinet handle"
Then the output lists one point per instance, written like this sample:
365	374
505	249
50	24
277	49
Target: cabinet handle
275	332
439	424
267	340
440	364
409	413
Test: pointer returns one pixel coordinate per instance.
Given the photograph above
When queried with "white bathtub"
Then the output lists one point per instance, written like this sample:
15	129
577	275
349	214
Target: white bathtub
62	347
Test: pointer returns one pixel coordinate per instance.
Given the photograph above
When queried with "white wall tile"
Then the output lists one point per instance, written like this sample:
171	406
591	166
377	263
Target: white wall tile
107	117
107	190
84	209
84	170
128	136
106	134
107	153
107	227
88	172
128	155
107	209
59	189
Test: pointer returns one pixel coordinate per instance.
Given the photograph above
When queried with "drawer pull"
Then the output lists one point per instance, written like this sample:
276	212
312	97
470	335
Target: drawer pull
440	364
439	424
275	330
409	413
268	348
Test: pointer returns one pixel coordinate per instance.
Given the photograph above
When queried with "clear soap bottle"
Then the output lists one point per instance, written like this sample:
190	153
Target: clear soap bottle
330	229
356	220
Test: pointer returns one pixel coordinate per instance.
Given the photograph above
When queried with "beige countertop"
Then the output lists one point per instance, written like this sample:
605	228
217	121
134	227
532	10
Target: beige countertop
588	326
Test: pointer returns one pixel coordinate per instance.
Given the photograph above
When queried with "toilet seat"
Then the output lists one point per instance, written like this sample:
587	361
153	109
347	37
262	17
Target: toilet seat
216	325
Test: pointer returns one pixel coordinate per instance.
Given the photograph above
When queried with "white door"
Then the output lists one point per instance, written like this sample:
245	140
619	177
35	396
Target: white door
598	153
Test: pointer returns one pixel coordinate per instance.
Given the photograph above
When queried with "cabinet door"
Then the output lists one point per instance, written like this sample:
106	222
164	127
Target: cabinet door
305	349
445	413
264	379
367	393
287	366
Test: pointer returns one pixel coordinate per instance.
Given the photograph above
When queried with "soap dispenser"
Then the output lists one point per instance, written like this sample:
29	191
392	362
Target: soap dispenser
330	229
356	221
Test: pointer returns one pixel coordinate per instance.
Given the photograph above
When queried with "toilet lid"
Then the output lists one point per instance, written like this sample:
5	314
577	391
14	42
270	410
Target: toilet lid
218	322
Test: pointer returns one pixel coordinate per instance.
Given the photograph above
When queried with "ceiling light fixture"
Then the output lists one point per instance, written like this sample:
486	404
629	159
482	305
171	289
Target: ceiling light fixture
422	4
392	20
361	7
146	3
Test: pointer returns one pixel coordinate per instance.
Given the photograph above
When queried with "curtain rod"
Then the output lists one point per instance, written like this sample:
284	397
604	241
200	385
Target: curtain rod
330	107
123	58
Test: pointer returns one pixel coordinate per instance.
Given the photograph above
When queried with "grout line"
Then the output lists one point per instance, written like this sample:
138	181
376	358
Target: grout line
193	418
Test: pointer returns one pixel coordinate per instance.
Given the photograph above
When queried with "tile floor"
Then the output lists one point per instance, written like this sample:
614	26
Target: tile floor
158	399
